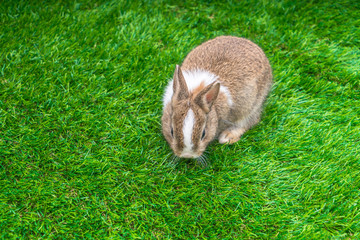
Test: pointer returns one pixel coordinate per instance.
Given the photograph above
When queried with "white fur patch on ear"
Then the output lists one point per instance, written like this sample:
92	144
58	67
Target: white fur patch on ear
196	77
193	80
188	126
225	90
168	93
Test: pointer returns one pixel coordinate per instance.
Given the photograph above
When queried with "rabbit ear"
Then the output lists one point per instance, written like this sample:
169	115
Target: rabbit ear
179	85
207	96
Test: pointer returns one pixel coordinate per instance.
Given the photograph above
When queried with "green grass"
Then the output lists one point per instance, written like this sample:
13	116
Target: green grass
81	150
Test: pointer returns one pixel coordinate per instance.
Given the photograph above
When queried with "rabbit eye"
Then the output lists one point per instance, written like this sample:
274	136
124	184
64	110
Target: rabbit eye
172	132
203	134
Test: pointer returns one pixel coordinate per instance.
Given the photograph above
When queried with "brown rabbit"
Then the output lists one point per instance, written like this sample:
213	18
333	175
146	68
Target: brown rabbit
218	92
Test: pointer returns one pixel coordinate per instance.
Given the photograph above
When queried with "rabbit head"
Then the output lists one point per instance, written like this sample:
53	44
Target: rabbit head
189	121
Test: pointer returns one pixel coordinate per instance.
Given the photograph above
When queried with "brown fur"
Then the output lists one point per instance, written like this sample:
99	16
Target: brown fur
197	90
243	68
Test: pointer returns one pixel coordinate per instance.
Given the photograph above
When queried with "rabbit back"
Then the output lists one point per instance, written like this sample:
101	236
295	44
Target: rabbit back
240	65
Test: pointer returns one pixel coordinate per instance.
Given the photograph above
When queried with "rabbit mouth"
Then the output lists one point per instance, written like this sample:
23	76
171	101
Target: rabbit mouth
189	155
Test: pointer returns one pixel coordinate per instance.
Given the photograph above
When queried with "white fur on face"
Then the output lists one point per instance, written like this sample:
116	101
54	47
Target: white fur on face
193	80
188	126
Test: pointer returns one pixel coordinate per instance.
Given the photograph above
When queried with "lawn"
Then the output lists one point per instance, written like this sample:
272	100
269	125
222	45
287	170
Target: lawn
81	149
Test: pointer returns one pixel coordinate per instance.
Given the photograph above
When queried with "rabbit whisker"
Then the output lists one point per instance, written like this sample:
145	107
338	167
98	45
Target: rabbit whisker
202	161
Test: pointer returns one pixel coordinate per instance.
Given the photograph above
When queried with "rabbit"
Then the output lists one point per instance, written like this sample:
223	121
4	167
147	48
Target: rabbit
218	92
